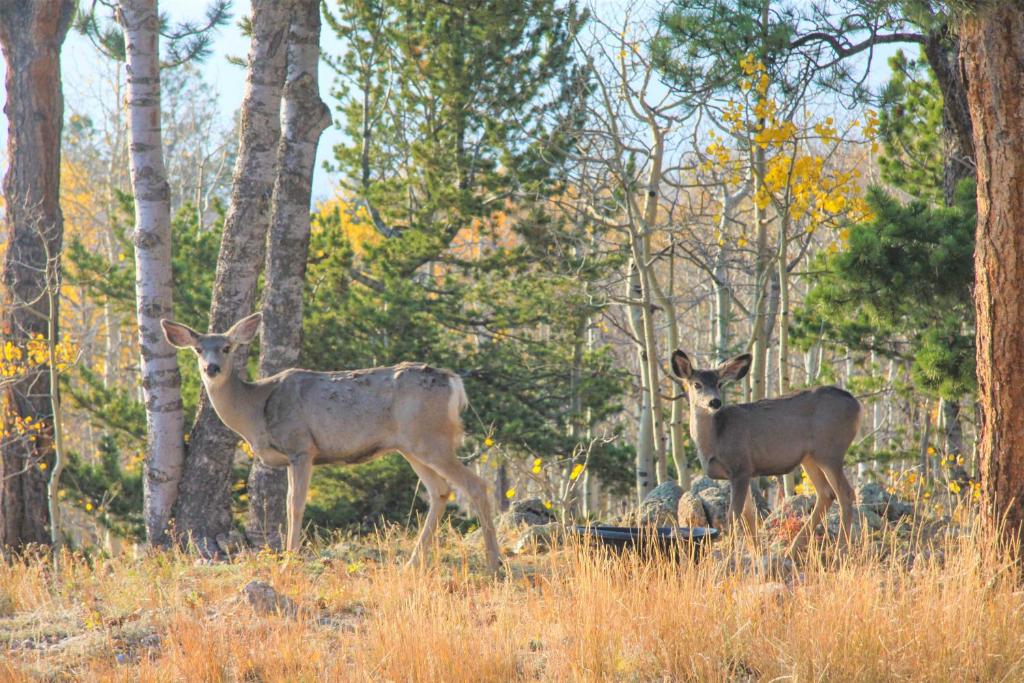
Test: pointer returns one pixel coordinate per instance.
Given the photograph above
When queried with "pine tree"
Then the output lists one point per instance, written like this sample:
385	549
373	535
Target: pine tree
910	126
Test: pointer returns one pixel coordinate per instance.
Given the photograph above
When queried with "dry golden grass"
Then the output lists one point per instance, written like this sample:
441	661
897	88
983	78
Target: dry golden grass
955	612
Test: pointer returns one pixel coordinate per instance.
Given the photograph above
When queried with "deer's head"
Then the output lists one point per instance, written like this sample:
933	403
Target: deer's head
213	351
704	387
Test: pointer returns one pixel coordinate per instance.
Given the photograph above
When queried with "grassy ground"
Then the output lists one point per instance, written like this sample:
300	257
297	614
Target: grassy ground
890	609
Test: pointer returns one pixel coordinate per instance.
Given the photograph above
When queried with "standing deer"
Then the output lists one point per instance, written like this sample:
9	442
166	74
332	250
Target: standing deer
812	428
300	418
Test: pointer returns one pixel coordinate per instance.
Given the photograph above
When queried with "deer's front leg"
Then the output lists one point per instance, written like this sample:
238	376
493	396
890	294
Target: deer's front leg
740	487
300	472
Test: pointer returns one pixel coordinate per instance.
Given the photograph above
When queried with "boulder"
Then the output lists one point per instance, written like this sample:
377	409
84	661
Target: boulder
659	506
715	496
793	506
690	511
871	518
232	542
704	483
529	511
872	496
265	600
862	516
800	505
538	538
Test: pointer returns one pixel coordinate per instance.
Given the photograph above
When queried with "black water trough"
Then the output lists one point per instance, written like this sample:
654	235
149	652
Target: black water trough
675	542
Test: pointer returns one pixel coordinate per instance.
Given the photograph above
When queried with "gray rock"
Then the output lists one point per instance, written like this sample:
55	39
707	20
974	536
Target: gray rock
715	497
703	483
690	511
766	565
529	511
150	641
232	542
800	504
793	506
659	506
265	600
871	518
538	538
872	496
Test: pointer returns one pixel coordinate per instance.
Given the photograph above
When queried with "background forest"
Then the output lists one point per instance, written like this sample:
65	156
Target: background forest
545	197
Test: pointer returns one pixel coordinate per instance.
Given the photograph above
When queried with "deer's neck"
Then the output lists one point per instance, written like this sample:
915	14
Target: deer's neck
702	431
236	403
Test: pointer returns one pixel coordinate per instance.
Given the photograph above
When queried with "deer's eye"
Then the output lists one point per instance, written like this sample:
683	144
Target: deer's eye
698	385
227	349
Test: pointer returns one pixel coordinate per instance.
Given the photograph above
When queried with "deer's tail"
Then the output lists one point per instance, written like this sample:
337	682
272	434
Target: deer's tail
457	401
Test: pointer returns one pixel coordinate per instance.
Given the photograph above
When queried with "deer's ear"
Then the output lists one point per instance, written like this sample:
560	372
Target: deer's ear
681	365
178	335
734	368
245	329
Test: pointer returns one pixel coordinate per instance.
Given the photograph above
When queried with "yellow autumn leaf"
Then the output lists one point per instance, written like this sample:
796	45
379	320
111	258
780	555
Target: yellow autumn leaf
577	471
511	493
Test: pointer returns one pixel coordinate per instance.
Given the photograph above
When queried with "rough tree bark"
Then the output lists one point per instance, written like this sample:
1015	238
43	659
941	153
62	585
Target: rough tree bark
992	51
204	502
154	283
31	35
305	117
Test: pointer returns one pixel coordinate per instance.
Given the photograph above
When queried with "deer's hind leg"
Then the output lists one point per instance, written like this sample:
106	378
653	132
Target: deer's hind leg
441	458
844	491
824	495
438	491
300	472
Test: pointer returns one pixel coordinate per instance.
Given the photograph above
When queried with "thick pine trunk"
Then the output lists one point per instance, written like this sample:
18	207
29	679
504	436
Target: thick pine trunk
31	35
204	500
154	285
992	51
305	118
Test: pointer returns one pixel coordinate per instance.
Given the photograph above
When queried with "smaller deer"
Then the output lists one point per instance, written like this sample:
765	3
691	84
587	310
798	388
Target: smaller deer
812	428
300	418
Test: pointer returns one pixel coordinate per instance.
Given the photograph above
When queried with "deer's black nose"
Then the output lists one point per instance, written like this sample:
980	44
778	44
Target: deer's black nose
715	403
212	369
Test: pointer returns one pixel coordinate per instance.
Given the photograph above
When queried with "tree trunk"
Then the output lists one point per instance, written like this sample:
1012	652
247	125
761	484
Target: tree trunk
204	501
723	308
31	35
953	433
789	480
161	381
992	52
645	427
760	331
943	52
305	116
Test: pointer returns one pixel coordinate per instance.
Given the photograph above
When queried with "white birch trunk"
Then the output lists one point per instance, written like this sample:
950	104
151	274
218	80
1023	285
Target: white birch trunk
161	382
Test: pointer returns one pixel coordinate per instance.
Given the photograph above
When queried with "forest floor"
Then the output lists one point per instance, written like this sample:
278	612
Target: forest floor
897	606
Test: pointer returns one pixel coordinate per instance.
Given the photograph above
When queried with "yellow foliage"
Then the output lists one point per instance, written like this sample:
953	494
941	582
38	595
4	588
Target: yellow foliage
796	180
